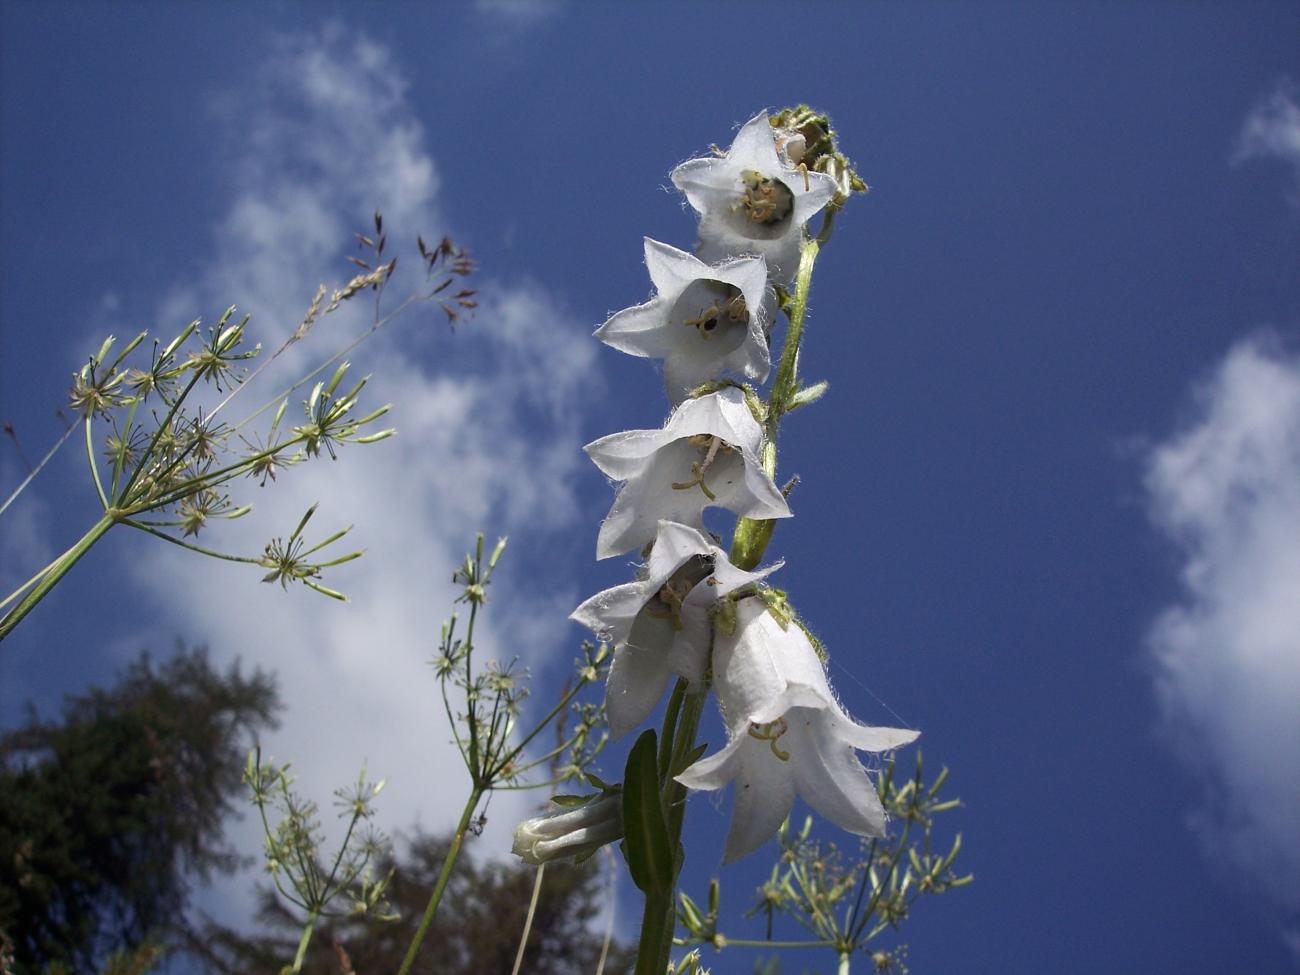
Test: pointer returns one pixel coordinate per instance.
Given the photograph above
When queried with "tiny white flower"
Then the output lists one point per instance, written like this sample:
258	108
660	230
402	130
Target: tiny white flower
702	321
753	202
788	735
705	455
571	832
659	625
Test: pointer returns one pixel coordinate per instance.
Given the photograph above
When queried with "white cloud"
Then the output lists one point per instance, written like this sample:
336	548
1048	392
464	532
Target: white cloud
522	13
1226	492
1272	130
490	441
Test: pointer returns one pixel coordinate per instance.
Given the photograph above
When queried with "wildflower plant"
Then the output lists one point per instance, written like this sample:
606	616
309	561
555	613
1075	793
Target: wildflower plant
163	456
321	885
703	612
484	701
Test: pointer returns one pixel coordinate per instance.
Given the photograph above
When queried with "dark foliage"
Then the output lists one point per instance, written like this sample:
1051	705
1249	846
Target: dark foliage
476	930
105	813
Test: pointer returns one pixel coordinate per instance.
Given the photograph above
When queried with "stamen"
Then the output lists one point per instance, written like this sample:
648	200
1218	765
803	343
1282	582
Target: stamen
707	321
714	444
766	201
737	310
769	733
666	604
698	471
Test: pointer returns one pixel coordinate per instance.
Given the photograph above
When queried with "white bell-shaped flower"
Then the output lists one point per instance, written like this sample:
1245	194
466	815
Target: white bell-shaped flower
659	625
703	321
751	201
788	735
705	455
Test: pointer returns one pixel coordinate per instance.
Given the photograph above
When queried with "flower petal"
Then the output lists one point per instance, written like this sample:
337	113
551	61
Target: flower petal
637	678
610	614
685	370
744	669
764	795
639	330
620	455
830	778
723	414
743	486
871	739
671	270
755	146
719	240
649	496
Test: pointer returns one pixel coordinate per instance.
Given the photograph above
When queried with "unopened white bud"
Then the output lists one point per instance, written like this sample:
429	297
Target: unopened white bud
571	832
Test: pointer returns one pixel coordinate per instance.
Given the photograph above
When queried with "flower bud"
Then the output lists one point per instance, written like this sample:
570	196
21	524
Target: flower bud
572	832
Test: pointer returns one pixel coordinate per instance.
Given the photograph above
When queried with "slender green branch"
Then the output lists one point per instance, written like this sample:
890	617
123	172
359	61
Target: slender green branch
28	584
451	721
193	548
528	921
380	323
611	905
157	434
453	853
56	572
126	439
752	943
210	479
308	930
541	725
471	711
94	468
49	456
338	857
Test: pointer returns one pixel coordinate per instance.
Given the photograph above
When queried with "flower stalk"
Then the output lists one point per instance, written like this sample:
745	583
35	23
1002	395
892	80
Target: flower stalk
749	542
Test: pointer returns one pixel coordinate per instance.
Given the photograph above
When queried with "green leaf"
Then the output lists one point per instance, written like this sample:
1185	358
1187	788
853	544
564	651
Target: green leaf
648	850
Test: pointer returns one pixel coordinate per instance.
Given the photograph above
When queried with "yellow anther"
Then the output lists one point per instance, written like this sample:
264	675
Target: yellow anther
769	733
707	321
766	201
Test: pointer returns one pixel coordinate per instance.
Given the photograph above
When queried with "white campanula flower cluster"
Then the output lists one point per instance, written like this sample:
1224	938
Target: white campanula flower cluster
689	612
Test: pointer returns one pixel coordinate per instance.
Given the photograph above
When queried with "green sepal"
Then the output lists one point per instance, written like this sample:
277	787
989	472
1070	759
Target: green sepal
570	802
693	756
647	848
598	782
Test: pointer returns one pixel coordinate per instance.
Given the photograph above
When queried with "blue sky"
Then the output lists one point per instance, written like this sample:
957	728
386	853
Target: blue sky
1048	511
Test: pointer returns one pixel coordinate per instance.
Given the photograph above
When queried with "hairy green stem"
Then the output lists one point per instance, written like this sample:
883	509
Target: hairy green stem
844	964
453	853
752	536
57	570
